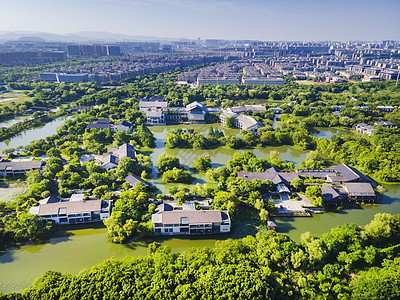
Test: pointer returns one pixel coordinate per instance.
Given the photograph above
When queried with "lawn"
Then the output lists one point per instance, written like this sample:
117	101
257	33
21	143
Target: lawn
13	97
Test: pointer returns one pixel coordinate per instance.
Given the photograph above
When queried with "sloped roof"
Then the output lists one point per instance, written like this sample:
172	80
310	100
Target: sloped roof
248	123
190	216
164	207
21	165
70	207
133	180
194	105
110	159
329	193
125	150
359	189
271	175
350	173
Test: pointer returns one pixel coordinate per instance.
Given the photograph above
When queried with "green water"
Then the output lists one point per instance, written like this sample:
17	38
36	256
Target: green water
323	132
219	156
79	248
27	136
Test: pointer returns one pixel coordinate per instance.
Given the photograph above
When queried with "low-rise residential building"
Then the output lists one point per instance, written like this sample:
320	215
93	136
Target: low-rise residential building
133	180
364	129
167	221
386	124
359	192
74	211
331	196
247	123
154	108
115	154
385	108
11	168
242	122
159	113
339	175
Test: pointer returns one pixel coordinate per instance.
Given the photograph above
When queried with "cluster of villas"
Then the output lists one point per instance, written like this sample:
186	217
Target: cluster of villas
186	220
369	129
75	210
242	121
342	182
167	220
14	168
158	112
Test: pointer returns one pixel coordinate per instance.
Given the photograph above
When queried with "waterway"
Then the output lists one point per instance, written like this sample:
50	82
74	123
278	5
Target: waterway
82	247
323	132
27	136
9	123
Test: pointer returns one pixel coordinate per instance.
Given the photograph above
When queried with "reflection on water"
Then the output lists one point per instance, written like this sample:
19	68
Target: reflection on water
324	132
219	156
27	136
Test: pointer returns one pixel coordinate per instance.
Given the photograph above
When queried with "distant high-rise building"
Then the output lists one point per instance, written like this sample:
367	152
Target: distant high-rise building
73	50
113	50
87	50
93	50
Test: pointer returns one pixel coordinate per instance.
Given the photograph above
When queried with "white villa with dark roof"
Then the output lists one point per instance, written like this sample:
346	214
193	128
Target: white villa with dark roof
11	168
158	112
74	211
167	221
243	122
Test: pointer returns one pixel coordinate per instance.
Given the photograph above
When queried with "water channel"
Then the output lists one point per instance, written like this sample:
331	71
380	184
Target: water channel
27	136
77	248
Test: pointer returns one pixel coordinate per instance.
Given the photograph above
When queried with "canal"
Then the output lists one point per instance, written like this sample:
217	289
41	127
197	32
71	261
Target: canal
27	136
77	248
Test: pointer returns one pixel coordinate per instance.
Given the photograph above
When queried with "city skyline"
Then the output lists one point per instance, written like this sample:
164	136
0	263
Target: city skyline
309	20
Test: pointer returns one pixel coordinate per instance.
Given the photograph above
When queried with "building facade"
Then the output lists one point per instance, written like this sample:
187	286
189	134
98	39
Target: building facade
191	222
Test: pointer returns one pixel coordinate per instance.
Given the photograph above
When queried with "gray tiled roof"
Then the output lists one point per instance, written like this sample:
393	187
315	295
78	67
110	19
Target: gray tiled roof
133	180
110	159
193	216
349	173
248	123
275	177
125	150
21	166
359	189
329	193
71	207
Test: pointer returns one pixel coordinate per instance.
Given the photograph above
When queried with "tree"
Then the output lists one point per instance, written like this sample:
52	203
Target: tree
166	162
263	215
230	122
298	184
202	163
177	175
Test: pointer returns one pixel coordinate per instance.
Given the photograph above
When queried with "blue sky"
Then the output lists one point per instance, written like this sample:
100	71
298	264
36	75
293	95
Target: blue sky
222	19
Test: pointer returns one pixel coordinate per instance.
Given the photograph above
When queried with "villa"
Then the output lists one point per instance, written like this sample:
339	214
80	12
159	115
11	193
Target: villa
115	154
74	211
344	182
167	221
11	168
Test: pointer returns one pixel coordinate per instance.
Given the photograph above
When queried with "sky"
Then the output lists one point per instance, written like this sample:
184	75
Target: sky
299	20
